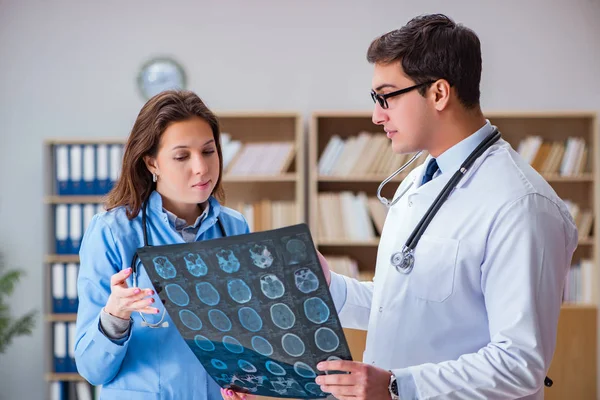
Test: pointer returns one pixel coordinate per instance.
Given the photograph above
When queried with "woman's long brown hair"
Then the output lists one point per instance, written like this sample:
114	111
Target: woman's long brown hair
135	183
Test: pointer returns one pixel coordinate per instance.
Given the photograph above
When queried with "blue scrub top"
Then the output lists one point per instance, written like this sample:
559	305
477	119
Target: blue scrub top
149	363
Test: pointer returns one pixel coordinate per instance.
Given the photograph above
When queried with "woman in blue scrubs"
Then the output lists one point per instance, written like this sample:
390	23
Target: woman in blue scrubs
173	161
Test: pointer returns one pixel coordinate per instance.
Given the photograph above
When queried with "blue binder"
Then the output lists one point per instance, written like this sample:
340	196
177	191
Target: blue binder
59	299
61	161
71	365
61	228
61	363
75	227
76	169
89	169
102	165
72	300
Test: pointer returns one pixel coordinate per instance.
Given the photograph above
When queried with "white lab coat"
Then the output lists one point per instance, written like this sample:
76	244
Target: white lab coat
477	316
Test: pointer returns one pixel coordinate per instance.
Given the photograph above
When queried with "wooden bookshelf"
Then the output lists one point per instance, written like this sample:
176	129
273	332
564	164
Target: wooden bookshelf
574	364
248	127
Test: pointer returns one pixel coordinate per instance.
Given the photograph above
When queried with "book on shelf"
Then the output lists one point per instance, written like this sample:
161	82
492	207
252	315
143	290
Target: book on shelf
579	283
584	219
564	158
349	216
259	158
268	214
362	154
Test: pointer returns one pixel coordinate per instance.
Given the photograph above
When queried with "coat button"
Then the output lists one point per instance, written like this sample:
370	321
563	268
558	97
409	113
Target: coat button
380	309
410	203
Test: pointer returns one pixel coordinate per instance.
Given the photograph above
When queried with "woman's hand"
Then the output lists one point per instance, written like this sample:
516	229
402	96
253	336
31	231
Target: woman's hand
124	300
229	394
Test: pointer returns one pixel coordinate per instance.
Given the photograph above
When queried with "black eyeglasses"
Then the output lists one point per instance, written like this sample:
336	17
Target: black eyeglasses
382	98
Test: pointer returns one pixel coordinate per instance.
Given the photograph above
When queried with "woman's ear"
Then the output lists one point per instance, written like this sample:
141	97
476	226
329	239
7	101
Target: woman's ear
151	164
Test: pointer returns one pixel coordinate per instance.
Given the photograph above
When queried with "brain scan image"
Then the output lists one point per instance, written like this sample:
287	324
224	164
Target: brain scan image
262	346
250	319
326	340
228	262
190	320
316	310
313	388
218	364
164	268
195	265
304	370
271	286
306	280
261	256
275	368
292	345
232	344
207	294
177	295
247	366
282	316
297	251
239	291
219	320
204	343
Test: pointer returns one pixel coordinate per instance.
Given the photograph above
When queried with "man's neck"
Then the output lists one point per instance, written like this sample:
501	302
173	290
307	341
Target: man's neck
455	130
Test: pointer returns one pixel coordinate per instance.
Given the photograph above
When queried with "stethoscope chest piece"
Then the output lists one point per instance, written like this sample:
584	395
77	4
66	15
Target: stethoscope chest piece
404	261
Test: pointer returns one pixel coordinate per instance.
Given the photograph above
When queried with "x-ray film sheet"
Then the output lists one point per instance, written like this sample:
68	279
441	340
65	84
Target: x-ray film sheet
255	309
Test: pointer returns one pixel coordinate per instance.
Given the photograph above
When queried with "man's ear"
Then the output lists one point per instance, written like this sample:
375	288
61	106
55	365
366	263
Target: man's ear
440	94
151	164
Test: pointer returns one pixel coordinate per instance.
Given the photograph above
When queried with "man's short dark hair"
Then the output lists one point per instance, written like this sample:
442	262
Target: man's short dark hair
432	47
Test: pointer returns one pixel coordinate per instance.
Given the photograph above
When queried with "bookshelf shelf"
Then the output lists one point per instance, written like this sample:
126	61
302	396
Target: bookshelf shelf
73	199
61	258
60	377
260	178
577	319
359	179
61	317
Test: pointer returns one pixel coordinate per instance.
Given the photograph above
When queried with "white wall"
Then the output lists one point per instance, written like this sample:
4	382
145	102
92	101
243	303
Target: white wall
68	68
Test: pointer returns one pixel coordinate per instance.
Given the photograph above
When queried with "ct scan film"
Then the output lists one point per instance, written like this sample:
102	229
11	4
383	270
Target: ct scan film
255	309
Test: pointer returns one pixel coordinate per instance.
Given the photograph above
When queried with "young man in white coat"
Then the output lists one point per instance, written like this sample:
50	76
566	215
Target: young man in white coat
476	317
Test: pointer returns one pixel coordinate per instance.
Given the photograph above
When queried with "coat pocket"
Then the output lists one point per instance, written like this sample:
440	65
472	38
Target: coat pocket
432	277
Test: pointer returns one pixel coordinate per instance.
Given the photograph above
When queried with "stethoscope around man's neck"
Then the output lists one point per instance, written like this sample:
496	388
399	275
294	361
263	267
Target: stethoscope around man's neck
134	261
404	260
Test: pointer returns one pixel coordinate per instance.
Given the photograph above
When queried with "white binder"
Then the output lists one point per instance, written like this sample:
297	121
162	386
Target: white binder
89	169
61	155
76	168
75	227
102	169
116	158
72	270
58	288
61	226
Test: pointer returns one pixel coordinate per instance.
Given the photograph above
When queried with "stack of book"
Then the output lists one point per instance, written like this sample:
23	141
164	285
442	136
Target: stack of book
364	154
568	158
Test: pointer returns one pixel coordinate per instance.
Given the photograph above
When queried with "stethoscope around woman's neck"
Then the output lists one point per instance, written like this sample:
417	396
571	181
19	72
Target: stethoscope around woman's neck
134	261
404	260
